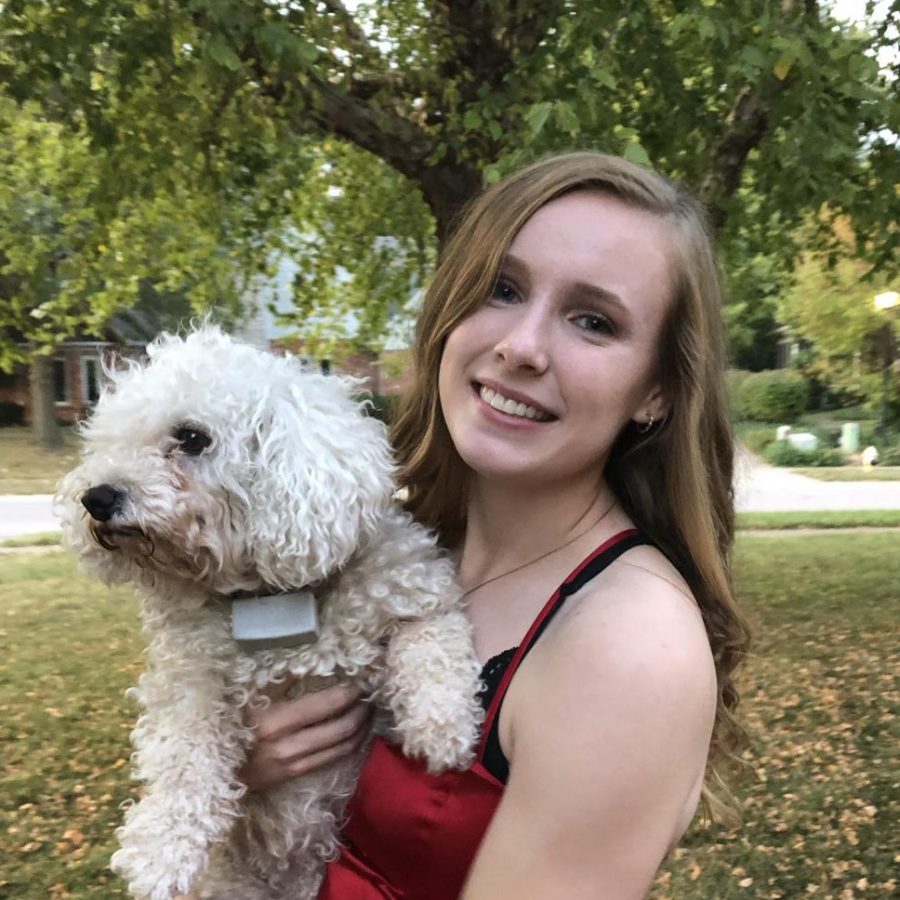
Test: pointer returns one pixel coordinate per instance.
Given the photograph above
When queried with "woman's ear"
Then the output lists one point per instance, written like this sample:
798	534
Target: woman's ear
653	408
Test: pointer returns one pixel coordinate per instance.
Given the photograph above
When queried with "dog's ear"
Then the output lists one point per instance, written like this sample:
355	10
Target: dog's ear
321	479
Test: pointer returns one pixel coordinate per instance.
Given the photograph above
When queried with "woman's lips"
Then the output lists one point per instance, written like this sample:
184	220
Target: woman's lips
511	403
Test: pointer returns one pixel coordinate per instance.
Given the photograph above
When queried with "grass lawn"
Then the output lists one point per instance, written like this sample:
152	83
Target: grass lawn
821	698
821	518
851	473
26	469
38	539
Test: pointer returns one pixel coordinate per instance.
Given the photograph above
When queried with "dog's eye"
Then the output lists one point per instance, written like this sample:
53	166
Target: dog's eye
191	441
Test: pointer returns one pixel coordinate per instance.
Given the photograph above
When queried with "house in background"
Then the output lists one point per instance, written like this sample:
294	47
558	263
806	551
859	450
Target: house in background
384	373
78	367
78	364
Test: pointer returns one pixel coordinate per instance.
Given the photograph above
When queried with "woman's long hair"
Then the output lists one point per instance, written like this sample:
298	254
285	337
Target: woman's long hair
675	482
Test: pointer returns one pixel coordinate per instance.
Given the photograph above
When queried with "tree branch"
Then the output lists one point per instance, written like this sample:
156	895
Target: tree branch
747	125
356	37
486	41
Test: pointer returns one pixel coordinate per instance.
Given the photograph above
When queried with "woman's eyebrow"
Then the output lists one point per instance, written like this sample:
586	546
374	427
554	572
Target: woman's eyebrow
583	289
514	263
595	292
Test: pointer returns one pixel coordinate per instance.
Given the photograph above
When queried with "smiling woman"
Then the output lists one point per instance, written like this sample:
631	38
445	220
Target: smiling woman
566	437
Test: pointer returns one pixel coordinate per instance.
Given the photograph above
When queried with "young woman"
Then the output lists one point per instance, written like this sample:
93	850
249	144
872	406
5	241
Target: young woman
566	436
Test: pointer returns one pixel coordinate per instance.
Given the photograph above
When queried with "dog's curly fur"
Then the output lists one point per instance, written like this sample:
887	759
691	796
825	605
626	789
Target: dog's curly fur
293	490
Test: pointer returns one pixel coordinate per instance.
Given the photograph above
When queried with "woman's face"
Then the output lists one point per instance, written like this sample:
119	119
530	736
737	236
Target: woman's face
537	384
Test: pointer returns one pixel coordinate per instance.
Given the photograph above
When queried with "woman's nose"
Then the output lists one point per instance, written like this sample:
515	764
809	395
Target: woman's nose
525	345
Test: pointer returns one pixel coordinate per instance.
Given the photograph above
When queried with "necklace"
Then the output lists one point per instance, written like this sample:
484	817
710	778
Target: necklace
537	559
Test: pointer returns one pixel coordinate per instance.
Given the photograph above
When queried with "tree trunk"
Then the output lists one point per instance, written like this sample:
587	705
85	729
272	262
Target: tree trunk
447	191
46	432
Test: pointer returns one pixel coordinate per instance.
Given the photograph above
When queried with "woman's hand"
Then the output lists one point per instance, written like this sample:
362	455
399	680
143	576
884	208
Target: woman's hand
297	736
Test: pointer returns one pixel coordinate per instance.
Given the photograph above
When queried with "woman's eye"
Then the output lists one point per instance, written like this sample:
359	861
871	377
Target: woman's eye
191	441
505	291
595	324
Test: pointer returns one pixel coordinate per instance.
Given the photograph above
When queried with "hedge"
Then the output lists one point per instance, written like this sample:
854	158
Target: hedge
779	395
783	453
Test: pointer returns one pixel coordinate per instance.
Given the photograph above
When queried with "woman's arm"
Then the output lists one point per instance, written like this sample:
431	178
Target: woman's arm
607	734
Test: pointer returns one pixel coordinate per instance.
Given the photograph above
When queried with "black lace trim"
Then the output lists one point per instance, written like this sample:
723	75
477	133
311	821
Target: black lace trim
492	675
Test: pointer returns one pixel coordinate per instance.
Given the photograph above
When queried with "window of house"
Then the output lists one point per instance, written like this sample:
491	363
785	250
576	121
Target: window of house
60	388
90	380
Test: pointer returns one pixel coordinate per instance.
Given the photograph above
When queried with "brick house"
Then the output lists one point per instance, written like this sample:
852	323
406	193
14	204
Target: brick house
78	367
384	373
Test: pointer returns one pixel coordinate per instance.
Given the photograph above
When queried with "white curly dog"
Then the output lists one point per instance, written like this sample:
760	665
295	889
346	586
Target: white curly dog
215	472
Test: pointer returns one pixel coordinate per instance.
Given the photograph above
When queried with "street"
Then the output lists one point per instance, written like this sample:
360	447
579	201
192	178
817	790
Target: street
759	488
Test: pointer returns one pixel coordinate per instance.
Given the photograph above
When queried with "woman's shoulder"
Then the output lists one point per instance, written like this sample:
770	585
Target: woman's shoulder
633	638
639	614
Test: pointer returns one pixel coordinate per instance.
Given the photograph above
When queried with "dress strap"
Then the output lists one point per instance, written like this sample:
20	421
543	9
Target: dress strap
606	554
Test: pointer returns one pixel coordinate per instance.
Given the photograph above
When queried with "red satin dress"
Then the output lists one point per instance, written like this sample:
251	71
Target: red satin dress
411	835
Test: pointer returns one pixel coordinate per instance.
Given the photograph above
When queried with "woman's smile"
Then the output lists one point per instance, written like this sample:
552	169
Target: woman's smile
510	404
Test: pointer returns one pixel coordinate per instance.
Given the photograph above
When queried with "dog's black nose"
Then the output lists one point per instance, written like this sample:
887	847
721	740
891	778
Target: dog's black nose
102	501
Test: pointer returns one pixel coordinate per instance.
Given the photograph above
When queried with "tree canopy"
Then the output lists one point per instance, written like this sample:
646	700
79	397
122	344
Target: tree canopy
354	135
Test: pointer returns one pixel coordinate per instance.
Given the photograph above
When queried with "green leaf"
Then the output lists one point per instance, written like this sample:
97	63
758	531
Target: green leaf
274	37
753	57
306	51
635	152
472	119
536	117
783	66
219	52
604	78
566	118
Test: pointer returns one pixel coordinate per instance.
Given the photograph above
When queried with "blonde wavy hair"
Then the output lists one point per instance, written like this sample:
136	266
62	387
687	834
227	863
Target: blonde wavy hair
675	482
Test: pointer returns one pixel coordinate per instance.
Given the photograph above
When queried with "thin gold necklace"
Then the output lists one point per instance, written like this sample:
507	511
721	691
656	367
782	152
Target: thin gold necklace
537	559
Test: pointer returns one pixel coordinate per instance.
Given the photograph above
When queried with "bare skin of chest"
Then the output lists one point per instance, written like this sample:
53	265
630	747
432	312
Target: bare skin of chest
502	613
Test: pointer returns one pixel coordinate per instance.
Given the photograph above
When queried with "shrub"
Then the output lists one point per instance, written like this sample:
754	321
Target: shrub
870	433
734	381
757	439
11	413
782	453
776	396
890	457
382	406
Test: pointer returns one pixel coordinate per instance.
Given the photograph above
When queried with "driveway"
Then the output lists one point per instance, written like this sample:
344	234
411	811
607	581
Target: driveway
759	487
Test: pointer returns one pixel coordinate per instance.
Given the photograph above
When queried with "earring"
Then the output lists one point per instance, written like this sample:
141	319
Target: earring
644	427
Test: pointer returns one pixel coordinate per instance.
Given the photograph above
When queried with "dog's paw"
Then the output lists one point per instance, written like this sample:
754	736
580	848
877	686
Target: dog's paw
159	872
443	731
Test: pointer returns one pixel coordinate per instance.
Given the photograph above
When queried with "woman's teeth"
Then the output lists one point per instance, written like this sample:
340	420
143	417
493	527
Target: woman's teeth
511	407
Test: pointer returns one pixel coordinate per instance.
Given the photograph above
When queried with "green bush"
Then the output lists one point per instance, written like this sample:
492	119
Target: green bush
890	457
757	439
870	433
734	381
382	406
782	453
780	395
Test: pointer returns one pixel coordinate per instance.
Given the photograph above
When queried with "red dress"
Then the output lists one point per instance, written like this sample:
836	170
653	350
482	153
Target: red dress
411	835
